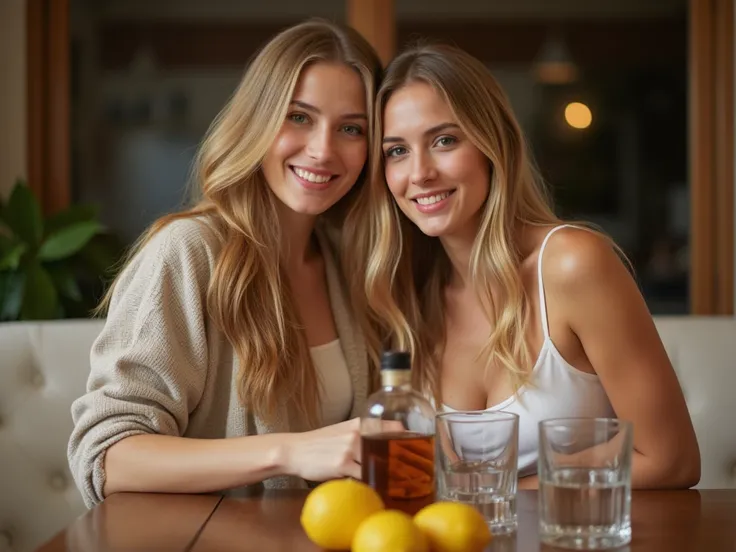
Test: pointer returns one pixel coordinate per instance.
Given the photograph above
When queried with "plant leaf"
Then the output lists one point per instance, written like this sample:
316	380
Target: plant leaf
67	217
68	241
40	299
10	259
11	294
65	282
22	214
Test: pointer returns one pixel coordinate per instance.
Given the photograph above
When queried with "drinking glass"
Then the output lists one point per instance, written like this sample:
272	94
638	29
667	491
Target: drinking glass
584	470
477	457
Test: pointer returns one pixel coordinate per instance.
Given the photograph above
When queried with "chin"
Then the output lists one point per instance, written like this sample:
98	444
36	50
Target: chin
304	206
428	232
309	210
432	230
313	203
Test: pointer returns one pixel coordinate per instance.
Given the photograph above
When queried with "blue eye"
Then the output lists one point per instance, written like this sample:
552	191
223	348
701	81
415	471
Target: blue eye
352	130
395	151
298	118
445	141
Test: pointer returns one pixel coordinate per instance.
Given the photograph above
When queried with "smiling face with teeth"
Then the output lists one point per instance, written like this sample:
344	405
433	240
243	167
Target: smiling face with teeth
321	147
438	177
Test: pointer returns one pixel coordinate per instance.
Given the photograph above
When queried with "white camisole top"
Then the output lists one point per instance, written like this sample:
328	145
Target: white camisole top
336	388
558	390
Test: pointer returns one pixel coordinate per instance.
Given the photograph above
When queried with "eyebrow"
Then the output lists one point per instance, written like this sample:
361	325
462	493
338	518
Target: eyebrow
313	109
434	130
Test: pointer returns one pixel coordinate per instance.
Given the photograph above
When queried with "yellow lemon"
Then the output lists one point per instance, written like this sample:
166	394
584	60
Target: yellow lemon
453	527
334	510
389	531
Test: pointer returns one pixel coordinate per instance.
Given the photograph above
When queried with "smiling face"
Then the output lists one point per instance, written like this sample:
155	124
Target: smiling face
438	177
321	147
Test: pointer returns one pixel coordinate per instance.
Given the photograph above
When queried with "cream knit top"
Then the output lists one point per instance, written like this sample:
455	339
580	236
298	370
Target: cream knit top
160	366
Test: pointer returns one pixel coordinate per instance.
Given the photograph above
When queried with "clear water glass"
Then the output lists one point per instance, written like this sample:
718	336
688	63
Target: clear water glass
584	473
477	464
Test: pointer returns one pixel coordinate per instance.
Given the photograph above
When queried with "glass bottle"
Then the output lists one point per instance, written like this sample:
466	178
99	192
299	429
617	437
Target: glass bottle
397	439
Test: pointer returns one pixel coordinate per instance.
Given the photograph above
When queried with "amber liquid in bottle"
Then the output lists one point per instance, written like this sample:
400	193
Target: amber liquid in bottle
400	467
397	439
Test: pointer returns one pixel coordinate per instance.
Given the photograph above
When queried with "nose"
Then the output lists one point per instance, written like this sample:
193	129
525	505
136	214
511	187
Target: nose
320	143
423	169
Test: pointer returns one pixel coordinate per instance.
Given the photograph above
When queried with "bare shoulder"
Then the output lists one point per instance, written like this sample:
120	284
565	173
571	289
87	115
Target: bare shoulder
576	258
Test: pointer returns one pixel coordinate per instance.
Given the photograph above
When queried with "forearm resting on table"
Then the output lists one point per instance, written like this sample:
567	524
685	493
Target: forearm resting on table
642	475
166	464
646	473
657	470
653	473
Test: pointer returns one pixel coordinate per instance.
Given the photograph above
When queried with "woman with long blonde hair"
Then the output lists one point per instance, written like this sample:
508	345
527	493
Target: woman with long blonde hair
229	357
502	304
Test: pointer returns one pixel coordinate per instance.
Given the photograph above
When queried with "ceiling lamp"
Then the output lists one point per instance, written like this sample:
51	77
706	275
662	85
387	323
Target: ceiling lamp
553	64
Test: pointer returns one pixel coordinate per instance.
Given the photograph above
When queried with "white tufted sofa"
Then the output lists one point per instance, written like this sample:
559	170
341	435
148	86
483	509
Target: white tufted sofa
703	353
44	367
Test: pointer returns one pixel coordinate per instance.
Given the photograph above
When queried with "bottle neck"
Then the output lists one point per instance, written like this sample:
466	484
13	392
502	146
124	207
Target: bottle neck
395	378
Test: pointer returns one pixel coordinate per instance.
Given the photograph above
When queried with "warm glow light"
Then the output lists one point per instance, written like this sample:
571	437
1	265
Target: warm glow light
578	115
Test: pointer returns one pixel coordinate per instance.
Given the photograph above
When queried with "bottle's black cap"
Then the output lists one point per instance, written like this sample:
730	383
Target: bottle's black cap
395	360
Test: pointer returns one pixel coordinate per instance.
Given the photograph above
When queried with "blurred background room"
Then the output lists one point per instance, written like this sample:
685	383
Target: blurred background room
620	100
600	87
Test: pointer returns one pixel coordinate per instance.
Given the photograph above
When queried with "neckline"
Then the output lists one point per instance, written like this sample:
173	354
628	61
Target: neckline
508	400
324	346
548	344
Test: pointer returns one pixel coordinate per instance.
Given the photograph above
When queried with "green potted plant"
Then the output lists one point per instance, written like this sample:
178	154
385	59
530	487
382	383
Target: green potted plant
51	267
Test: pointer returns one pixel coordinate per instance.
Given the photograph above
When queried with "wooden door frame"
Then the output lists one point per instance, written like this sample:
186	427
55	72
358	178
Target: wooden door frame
48	111
711	154
376	21
711	118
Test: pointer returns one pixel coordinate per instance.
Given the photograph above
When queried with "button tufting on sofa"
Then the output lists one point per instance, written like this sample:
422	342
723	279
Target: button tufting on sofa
44	367
37	379
58	481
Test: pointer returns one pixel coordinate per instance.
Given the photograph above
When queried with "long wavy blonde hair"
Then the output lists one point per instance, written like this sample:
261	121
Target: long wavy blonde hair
406	271
248	297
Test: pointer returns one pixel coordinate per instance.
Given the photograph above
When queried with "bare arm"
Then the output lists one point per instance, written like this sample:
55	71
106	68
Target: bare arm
163	463
605	310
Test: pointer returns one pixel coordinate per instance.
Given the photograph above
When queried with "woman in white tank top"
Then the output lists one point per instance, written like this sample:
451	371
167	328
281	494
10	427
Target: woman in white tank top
503	306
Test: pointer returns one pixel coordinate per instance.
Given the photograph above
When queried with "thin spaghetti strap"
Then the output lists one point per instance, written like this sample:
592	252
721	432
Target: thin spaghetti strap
540	282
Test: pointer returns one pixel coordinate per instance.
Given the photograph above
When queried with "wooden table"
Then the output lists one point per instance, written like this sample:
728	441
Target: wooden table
662	521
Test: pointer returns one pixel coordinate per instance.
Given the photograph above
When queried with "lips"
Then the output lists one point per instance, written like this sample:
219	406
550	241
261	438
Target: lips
432	202
319	177
432	199
313	179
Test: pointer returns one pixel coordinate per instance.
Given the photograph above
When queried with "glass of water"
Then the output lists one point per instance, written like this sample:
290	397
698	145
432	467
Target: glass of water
477	456
584	473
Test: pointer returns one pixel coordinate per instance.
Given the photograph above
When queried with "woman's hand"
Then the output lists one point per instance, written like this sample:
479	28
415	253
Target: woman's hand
330	452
